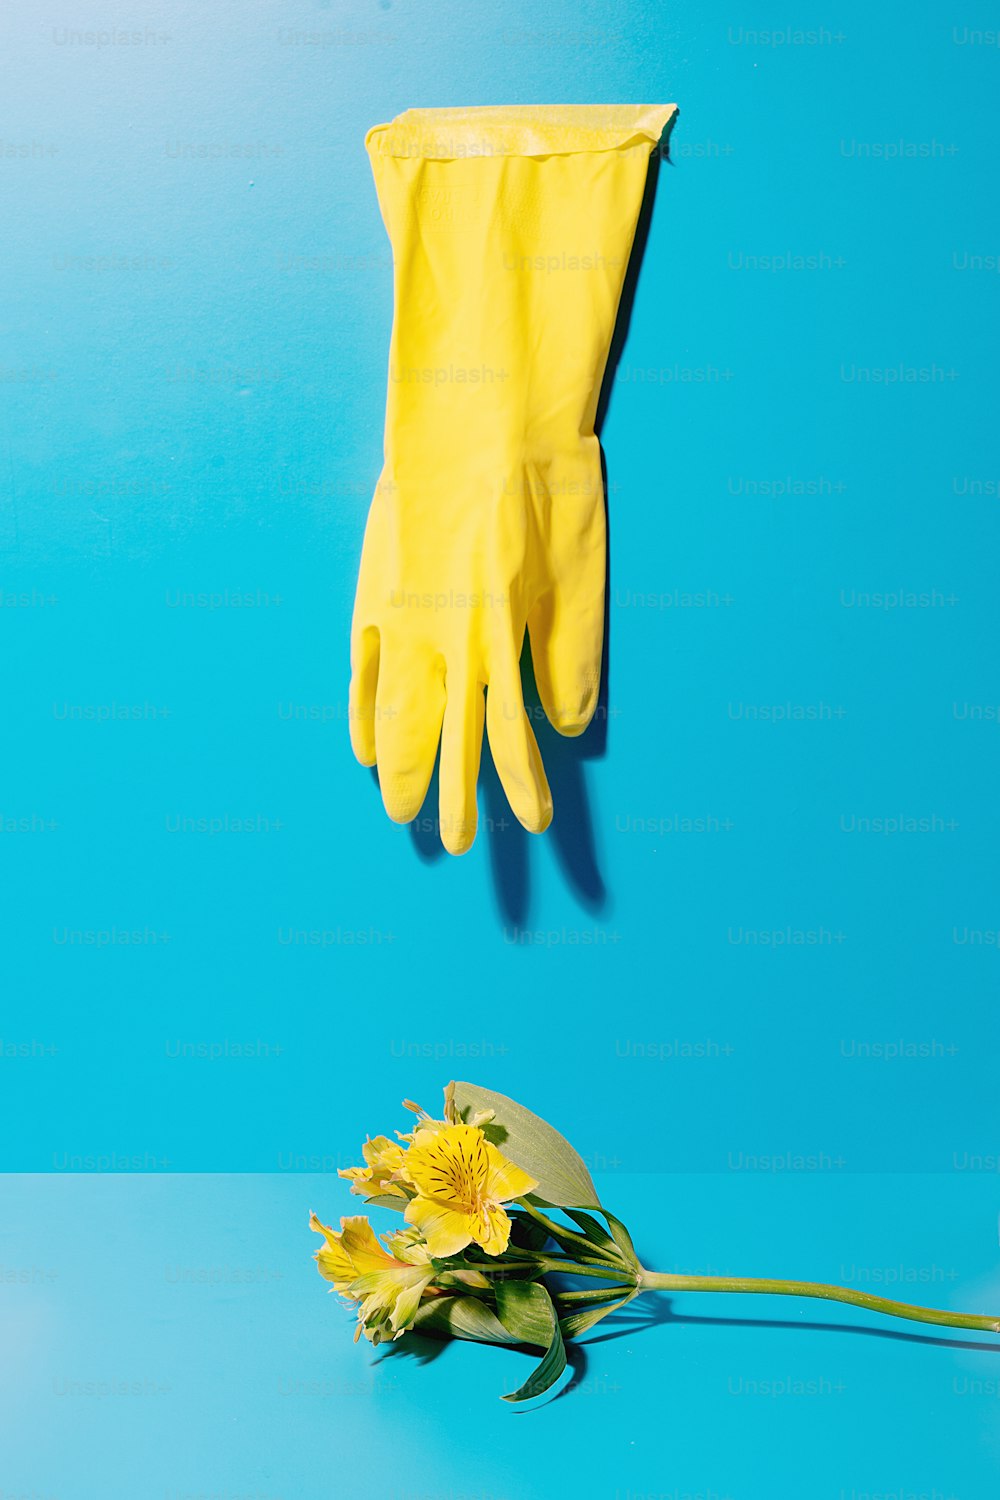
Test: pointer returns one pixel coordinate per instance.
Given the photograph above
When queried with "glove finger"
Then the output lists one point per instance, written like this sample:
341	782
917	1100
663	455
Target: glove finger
361	696
461	748
566	625
566	645
515	750
409	705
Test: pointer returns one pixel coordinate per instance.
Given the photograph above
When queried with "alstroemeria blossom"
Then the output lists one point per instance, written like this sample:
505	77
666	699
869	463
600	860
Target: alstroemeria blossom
450	1182
383	1159
388	1290
462	1182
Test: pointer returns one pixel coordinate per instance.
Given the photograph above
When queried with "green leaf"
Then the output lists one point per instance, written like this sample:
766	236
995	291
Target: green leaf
527	1234
596	1233
622	1239
533	1145
462	1318
579	1322
389	1200
572	1299
526	1309
574	1245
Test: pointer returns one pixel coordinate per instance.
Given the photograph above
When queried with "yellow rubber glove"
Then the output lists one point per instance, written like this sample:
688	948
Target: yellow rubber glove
511	230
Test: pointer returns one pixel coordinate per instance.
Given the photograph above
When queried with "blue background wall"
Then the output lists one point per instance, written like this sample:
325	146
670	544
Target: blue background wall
710	964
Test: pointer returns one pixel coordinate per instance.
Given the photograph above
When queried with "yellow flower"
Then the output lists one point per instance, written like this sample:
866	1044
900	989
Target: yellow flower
387	1290
462	1182
383	1160
350	1251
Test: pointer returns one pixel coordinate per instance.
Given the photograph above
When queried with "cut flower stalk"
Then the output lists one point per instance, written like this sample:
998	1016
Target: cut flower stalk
658	1281
480	1247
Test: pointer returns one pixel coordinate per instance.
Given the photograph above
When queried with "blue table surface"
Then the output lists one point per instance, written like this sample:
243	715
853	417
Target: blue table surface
754	961
168	1335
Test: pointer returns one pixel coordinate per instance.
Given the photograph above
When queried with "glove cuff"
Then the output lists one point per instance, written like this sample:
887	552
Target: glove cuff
520	130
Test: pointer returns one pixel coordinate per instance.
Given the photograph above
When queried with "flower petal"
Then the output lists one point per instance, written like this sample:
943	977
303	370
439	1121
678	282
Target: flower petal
333	1261
358	1241
335	1266
445	1230
406	1306
381	1153
491	1228
383	1287
506	1181
332	1235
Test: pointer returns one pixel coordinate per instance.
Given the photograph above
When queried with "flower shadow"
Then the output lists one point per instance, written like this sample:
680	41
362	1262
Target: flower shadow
415	1346
649	1314
422	1350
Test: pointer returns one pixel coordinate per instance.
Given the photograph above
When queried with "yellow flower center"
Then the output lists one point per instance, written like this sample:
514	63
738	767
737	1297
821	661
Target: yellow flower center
455	1167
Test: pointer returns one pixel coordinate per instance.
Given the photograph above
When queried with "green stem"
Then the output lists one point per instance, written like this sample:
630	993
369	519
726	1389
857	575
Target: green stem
543	1264
501	1265
605	1270
557	1231
660	1281
606	1294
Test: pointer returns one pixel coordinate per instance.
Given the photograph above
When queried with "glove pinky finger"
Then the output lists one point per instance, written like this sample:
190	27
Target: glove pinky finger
515	749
